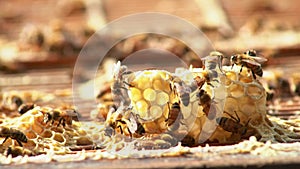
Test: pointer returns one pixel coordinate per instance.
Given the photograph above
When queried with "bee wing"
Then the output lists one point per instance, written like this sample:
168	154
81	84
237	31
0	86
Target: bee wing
253	62
260	59
132	126
71	112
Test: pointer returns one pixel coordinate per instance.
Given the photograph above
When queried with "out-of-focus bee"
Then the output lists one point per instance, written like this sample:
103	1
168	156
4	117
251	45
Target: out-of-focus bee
122	118
199	81
174	116
13	134
213	60
25	107
233	124
213	66
184	91
119	91
251	60
15	151
62	117
11	102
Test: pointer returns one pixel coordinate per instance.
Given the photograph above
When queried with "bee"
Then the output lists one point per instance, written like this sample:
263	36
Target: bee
213	60
174	114
251	60
199	81
25	107
116	120
233	124
184	91
11	102
17	151
122	77
211	63
62	117
205	101
13	134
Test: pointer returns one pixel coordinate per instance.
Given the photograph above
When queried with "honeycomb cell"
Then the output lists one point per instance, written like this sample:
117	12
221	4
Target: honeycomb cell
231	105
30	144
135	94
162	98
155	111
158	85
254	91
57	129
31	135
142	108
236	90
37	128
46	134
149	94
59	137
143	83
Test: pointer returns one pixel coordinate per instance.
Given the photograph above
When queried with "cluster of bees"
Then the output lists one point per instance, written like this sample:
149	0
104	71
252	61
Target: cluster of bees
55	117
126	117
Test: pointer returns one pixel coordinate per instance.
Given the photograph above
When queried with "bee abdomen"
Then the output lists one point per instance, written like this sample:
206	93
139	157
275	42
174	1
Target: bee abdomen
18	135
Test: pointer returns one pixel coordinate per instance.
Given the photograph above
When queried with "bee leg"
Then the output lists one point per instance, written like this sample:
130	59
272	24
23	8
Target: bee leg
253	74
241	68
237	119
5	140
130	134
19	142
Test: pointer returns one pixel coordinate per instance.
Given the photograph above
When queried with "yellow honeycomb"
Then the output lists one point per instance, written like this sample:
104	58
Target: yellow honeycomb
151	96
244	106
46	137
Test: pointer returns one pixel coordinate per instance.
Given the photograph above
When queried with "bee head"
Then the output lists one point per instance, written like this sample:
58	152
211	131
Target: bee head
250	52
234	58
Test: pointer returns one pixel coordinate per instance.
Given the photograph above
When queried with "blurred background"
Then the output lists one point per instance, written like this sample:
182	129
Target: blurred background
40	39
49	34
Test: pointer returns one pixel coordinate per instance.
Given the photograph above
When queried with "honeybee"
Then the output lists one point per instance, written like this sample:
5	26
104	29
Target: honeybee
205	101
199	81
211	63
251	60
25	107
15	151
122	77
11	102
174	114
13	134
233	124
116	120
62	117
184	92
213	60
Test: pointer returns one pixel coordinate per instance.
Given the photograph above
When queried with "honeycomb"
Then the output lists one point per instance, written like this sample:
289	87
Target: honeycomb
241	104
151	97
46	137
